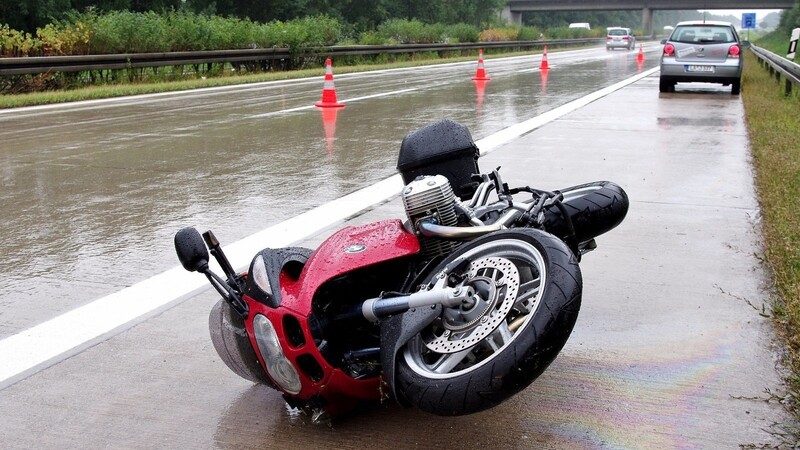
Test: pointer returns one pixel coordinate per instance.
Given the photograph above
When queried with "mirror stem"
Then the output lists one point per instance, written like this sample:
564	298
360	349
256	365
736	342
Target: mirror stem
228	293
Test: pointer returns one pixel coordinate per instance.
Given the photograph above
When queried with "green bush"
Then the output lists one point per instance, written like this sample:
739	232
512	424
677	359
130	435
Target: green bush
16	43
128	32
372	38
462	32
499	34
323	31
317	31
530	34
790	19
231	33
410	32
187	31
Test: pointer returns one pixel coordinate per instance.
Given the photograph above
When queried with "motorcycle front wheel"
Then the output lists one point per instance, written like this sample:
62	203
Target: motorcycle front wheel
476	355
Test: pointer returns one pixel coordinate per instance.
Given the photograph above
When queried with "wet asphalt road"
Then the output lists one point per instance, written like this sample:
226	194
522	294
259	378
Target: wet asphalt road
667	352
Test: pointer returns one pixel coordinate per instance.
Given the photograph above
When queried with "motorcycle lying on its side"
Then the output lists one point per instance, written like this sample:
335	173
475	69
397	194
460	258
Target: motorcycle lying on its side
452	310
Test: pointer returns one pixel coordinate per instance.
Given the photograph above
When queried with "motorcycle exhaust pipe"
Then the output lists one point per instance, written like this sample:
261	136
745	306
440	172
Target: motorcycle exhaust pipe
430	229
376	309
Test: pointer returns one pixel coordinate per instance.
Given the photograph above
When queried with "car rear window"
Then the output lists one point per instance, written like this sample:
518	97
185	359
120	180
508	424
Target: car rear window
705	34
617	32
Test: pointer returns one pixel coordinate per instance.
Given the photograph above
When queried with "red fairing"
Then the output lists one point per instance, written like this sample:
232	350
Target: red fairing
332	384
348	249
352	248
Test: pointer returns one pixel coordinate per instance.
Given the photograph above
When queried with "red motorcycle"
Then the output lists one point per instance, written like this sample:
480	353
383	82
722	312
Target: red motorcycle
453	310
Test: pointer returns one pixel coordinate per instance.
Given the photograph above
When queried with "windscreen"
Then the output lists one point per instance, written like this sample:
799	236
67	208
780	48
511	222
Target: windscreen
702	34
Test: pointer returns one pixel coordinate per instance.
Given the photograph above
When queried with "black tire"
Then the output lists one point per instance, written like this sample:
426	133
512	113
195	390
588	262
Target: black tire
594	209
484	371
665	85
736	87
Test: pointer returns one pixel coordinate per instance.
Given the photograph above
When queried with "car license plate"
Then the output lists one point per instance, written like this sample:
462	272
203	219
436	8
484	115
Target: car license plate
700	69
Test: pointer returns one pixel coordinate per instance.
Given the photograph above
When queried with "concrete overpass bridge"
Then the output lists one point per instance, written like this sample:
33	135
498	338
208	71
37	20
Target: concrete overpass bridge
514	8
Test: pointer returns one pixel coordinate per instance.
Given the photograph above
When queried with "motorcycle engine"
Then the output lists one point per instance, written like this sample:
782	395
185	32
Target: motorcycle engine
431	198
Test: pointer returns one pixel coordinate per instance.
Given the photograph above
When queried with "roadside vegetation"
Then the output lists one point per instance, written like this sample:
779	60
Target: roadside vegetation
774	130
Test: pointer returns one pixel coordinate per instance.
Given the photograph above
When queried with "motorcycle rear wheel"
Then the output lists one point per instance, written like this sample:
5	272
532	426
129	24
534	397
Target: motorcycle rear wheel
524	322
594	208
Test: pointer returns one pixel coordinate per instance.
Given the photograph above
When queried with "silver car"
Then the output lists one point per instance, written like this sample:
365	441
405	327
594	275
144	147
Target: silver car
618	37
700	51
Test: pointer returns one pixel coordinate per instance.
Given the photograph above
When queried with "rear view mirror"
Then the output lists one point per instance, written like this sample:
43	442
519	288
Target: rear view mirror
191	250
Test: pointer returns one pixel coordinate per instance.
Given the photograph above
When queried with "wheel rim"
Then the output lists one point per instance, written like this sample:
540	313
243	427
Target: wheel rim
508	276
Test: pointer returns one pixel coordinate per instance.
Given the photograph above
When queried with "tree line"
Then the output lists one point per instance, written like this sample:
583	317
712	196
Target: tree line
360	15
29	15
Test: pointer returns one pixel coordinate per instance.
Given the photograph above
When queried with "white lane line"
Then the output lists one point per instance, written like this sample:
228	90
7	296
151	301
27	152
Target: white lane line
47	343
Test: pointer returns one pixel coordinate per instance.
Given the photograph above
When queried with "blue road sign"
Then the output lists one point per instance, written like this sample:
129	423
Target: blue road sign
748	21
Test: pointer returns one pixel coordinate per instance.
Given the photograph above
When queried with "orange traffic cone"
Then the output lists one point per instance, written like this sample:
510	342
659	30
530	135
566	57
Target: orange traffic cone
480	74
329	91
640	56
544	65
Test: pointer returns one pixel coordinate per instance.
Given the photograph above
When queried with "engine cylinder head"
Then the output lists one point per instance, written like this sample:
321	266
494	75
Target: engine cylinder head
431	198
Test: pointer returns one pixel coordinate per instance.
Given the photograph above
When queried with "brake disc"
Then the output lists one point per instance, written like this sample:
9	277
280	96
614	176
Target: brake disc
505	276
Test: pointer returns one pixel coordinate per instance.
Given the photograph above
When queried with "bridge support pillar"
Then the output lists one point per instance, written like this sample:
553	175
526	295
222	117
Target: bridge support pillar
511	17
647	21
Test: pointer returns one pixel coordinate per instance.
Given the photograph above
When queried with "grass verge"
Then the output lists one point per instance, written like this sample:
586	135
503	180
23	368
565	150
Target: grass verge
773	126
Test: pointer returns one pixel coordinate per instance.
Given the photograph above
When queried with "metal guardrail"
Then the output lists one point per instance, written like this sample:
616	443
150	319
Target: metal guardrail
778	67
79	63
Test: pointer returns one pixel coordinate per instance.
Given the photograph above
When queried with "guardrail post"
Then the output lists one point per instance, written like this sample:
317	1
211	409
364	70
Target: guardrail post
778	67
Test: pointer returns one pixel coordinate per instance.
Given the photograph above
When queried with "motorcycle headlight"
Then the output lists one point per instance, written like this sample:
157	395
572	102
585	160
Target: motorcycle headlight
280	369
259	274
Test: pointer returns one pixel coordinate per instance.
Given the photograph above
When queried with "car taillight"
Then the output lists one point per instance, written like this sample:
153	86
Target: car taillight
608	37
734	51
624	38
669	50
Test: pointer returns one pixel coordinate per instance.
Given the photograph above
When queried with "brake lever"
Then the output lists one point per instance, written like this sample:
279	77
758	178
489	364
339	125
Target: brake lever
503	192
